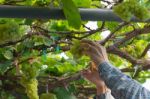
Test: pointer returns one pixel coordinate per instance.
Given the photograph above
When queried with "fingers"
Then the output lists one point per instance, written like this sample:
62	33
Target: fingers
88	41
93	67
99	47
94	44
86	73
88	47
96	52
92	52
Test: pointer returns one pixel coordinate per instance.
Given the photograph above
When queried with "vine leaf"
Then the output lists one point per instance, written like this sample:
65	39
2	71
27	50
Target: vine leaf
62	93
83	3
8	54
148	4
5	66
28	21
71	13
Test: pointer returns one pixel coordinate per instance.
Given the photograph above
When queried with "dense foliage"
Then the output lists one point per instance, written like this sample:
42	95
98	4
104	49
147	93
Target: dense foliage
36	61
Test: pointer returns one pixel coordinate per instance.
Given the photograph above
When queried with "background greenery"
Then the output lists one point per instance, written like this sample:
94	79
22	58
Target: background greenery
35	56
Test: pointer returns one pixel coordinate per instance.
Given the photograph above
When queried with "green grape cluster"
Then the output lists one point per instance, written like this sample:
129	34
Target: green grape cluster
48	96
131	8
29	81
9	31
76	50
30	71
135	49
131	50
30	87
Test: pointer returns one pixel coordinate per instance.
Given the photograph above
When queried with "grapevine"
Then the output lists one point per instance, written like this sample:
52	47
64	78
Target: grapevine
76	50
9	31
130	8
29	81
31	87
58	47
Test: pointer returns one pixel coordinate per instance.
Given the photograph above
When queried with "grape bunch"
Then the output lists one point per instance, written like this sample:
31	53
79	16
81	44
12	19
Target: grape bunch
29	81
76	50
9	31
30	87
130	8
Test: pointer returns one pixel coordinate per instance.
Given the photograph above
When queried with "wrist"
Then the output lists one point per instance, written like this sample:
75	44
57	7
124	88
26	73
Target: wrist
101	89
101	61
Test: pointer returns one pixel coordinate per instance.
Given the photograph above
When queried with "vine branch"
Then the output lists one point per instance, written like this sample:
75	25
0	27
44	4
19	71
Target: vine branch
145	51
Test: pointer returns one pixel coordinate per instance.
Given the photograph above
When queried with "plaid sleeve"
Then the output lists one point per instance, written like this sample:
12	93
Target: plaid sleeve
122	86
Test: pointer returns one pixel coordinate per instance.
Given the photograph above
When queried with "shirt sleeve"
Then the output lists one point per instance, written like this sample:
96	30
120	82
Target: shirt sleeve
107	95
122	86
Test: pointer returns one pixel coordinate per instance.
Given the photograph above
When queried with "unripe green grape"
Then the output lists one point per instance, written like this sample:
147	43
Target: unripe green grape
28	80
131	8
33	72
30	71
9	31
76	50
30	87
122	10
142	13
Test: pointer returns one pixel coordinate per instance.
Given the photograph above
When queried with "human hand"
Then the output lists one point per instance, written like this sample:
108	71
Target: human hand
93	76
96	52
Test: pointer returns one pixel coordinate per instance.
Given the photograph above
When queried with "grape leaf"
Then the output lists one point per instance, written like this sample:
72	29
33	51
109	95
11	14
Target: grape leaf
8	54
71	13
83	3
28	21
63	93
4	66
2	1
148	4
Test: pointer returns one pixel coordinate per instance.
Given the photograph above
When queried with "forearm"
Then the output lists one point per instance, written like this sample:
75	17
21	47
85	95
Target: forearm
121	85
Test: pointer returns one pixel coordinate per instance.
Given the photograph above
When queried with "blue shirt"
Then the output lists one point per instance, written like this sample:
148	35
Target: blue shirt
121	86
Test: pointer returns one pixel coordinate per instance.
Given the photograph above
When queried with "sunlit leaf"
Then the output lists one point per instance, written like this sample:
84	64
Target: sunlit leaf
83	3
72	13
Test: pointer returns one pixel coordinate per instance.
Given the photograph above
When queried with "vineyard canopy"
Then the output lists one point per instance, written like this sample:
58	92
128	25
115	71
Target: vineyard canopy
40	53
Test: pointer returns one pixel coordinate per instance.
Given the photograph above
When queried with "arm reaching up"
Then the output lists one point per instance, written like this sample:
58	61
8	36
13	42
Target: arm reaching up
122	86
93	76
